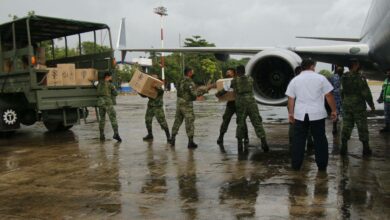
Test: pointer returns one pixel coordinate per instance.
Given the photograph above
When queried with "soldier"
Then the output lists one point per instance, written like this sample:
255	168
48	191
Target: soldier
229	112
106	93
335	81
155	109
247	106
355	93
186	95
385	97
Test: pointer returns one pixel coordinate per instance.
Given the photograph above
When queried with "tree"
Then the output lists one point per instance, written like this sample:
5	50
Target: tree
31	13
126	73
326	73
14	17
212	70
205	65
88	47
233	63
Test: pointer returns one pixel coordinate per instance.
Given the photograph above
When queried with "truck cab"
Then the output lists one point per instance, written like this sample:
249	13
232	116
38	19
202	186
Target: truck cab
43	65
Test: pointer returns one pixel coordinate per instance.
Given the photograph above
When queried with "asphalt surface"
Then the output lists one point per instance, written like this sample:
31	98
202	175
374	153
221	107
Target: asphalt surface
72	175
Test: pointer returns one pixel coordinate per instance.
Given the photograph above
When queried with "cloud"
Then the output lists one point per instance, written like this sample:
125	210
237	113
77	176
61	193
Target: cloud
223	22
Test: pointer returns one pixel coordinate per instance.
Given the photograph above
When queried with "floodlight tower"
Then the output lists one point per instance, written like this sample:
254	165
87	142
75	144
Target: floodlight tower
162	11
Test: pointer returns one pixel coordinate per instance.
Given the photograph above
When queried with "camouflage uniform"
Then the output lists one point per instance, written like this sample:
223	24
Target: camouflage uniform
246	106
227	116
155	109
186	94
355	92
106	92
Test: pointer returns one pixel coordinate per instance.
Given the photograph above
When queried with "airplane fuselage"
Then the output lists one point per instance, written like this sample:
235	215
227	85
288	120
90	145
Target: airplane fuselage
376	33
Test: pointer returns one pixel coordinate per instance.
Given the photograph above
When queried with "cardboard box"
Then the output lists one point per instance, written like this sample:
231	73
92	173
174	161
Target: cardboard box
145	84
40	67
230	95
54	77
86	77
41	56
68	72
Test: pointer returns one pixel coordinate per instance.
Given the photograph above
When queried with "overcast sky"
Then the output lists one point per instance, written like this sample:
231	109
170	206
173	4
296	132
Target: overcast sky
226	23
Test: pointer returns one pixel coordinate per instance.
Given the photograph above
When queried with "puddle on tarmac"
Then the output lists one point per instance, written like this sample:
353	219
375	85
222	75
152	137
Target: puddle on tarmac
73	175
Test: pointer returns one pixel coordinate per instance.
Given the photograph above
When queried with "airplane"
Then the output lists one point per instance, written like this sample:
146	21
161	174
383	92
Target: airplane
272	68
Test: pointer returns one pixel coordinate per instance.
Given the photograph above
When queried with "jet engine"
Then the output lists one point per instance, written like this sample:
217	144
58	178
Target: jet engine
271	71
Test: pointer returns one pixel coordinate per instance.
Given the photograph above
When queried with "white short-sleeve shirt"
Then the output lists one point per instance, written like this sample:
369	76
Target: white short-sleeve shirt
309	89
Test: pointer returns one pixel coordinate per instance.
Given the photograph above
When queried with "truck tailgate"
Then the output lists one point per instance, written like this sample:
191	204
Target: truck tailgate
59	98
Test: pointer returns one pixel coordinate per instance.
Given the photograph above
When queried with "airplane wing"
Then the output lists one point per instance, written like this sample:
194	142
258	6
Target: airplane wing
335	54
227	50
328	54
350	39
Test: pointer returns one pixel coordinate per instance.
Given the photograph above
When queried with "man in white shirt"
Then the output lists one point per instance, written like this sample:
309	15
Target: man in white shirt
306	103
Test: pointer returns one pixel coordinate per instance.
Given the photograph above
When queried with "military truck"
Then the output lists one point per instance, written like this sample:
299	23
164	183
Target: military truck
28	51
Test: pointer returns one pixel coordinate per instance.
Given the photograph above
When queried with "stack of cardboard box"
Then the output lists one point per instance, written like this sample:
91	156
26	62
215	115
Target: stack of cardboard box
86	77
68	75
54	77
145	84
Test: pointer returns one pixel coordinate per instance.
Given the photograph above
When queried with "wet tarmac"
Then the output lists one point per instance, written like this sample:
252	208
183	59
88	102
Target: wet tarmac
72	175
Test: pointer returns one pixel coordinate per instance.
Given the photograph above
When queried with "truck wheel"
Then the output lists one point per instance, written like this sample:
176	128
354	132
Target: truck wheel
65	128
28	117
7	134
53	126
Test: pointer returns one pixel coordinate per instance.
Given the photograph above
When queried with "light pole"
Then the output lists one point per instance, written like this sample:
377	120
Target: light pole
162	11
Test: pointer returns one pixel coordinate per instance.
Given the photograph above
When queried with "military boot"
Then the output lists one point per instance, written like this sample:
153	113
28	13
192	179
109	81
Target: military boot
239	146
172	140
149	136
167	135
102	137
117	137
220	139
344	147
191	143
246	140
385	129
264	145
366	149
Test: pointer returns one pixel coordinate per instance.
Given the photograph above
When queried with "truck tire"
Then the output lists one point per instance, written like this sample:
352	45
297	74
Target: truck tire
6	134
53	126
28	117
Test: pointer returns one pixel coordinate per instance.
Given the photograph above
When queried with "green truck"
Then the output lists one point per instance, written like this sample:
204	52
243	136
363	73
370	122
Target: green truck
25	95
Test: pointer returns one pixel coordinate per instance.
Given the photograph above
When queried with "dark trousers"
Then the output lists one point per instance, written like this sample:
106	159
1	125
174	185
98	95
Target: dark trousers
320	142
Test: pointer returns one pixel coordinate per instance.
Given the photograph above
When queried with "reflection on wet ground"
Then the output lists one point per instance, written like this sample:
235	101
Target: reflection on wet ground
73	175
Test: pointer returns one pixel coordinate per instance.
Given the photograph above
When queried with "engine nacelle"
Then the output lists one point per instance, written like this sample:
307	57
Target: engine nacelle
271	71
222	56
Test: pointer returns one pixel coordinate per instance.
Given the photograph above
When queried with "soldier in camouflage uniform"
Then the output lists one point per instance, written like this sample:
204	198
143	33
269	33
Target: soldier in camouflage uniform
186	94
247	106
230	110
155	109
106	94
355	93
